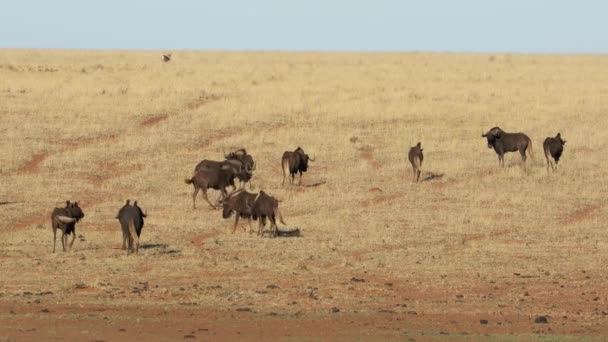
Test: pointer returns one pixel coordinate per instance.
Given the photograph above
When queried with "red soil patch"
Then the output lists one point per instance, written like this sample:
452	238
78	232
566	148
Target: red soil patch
581	214
375	190
151	121
75	144
369	157
33	165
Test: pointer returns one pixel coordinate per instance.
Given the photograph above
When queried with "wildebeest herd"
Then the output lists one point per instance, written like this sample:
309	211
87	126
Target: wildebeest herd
261	206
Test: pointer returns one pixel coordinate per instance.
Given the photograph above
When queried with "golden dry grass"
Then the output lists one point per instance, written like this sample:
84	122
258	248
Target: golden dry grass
81	113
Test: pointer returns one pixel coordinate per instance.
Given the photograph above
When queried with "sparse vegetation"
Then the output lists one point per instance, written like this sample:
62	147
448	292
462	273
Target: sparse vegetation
104	126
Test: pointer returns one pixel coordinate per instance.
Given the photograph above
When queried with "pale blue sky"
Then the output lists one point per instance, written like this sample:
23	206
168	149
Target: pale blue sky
576	26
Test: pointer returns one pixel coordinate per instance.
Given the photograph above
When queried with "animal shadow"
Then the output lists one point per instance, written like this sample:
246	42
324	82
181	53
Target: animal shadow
432	176
159	248
295	232
314	184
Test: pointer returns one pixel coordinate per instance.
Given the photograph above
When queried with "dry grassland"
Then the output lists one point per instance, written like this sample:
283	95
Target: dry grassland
470	242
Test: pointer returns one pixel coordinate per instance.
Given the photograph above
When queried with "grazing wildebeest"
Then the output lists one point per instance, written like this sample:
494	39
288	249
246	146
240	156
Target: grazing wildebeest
65	219
294	162
503	142
212	178
553	148
131	219
248	205
415	156
166	57
266	206
240	202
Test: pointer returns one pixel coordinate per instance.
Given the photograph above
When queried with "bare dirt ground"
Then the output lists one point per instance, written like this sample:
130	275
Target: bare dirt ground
472	252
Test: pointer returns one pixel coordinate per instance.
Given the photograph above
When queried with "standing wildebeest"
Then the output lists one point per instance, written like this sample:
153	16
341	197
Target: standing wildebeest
294	162
241	202
239	160
212	178
553	148
131	219
266	206
503	142
253	206
415	156
65	219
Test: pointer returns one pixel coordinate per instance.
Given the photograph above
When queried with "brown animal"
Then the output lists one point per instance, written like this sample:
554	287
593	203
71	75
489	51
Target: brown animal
240	202
553	148
248	205
166	58
239	160
503	142
415	157
131	219
266	206
294	162
209	178
66	219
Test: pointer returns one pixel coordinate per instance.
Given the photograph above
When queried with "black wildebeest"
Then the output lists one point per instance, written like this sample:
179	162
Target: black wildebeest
212	178
415	157
131	219
243	164
260	206
553	148
503	142
65	219
294	162
240	202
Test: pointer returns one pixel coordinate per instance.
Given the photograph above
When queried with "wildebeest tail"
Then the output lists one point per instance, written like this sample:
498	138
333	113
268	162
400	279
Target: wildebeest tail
133	234
530	148
277	213
284	165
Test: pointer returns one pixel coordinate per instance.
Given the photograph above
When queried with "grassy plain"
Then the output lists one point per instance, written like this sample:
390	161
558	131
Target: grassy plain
471	242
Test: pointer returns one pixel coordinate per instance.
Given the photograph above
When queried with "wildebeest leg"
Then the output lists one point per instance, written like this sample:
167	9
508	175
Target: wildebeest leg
125	237
54	237
418	175
260	225
64	240
236	221
523	155
249	222
207	198
194	197
300	181
73	237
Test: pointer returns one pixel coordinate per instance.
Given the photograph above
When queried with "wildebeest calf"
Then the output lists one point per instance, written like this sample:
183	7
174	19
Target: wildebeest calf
131	219
415	157
65	219
503	142
553	148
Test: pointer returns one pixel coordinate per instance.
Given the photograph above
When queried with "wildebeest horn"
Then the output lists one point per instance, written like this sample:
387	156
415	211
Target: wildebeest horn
483	135
253	167
311	159
65	219
230	195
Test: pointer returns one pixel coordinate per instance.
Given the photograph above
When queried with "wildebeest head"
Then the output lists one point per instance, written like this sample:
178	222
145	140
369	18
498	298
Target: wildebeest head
419	146
74	210
493	134
558	137
304	158
245	159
